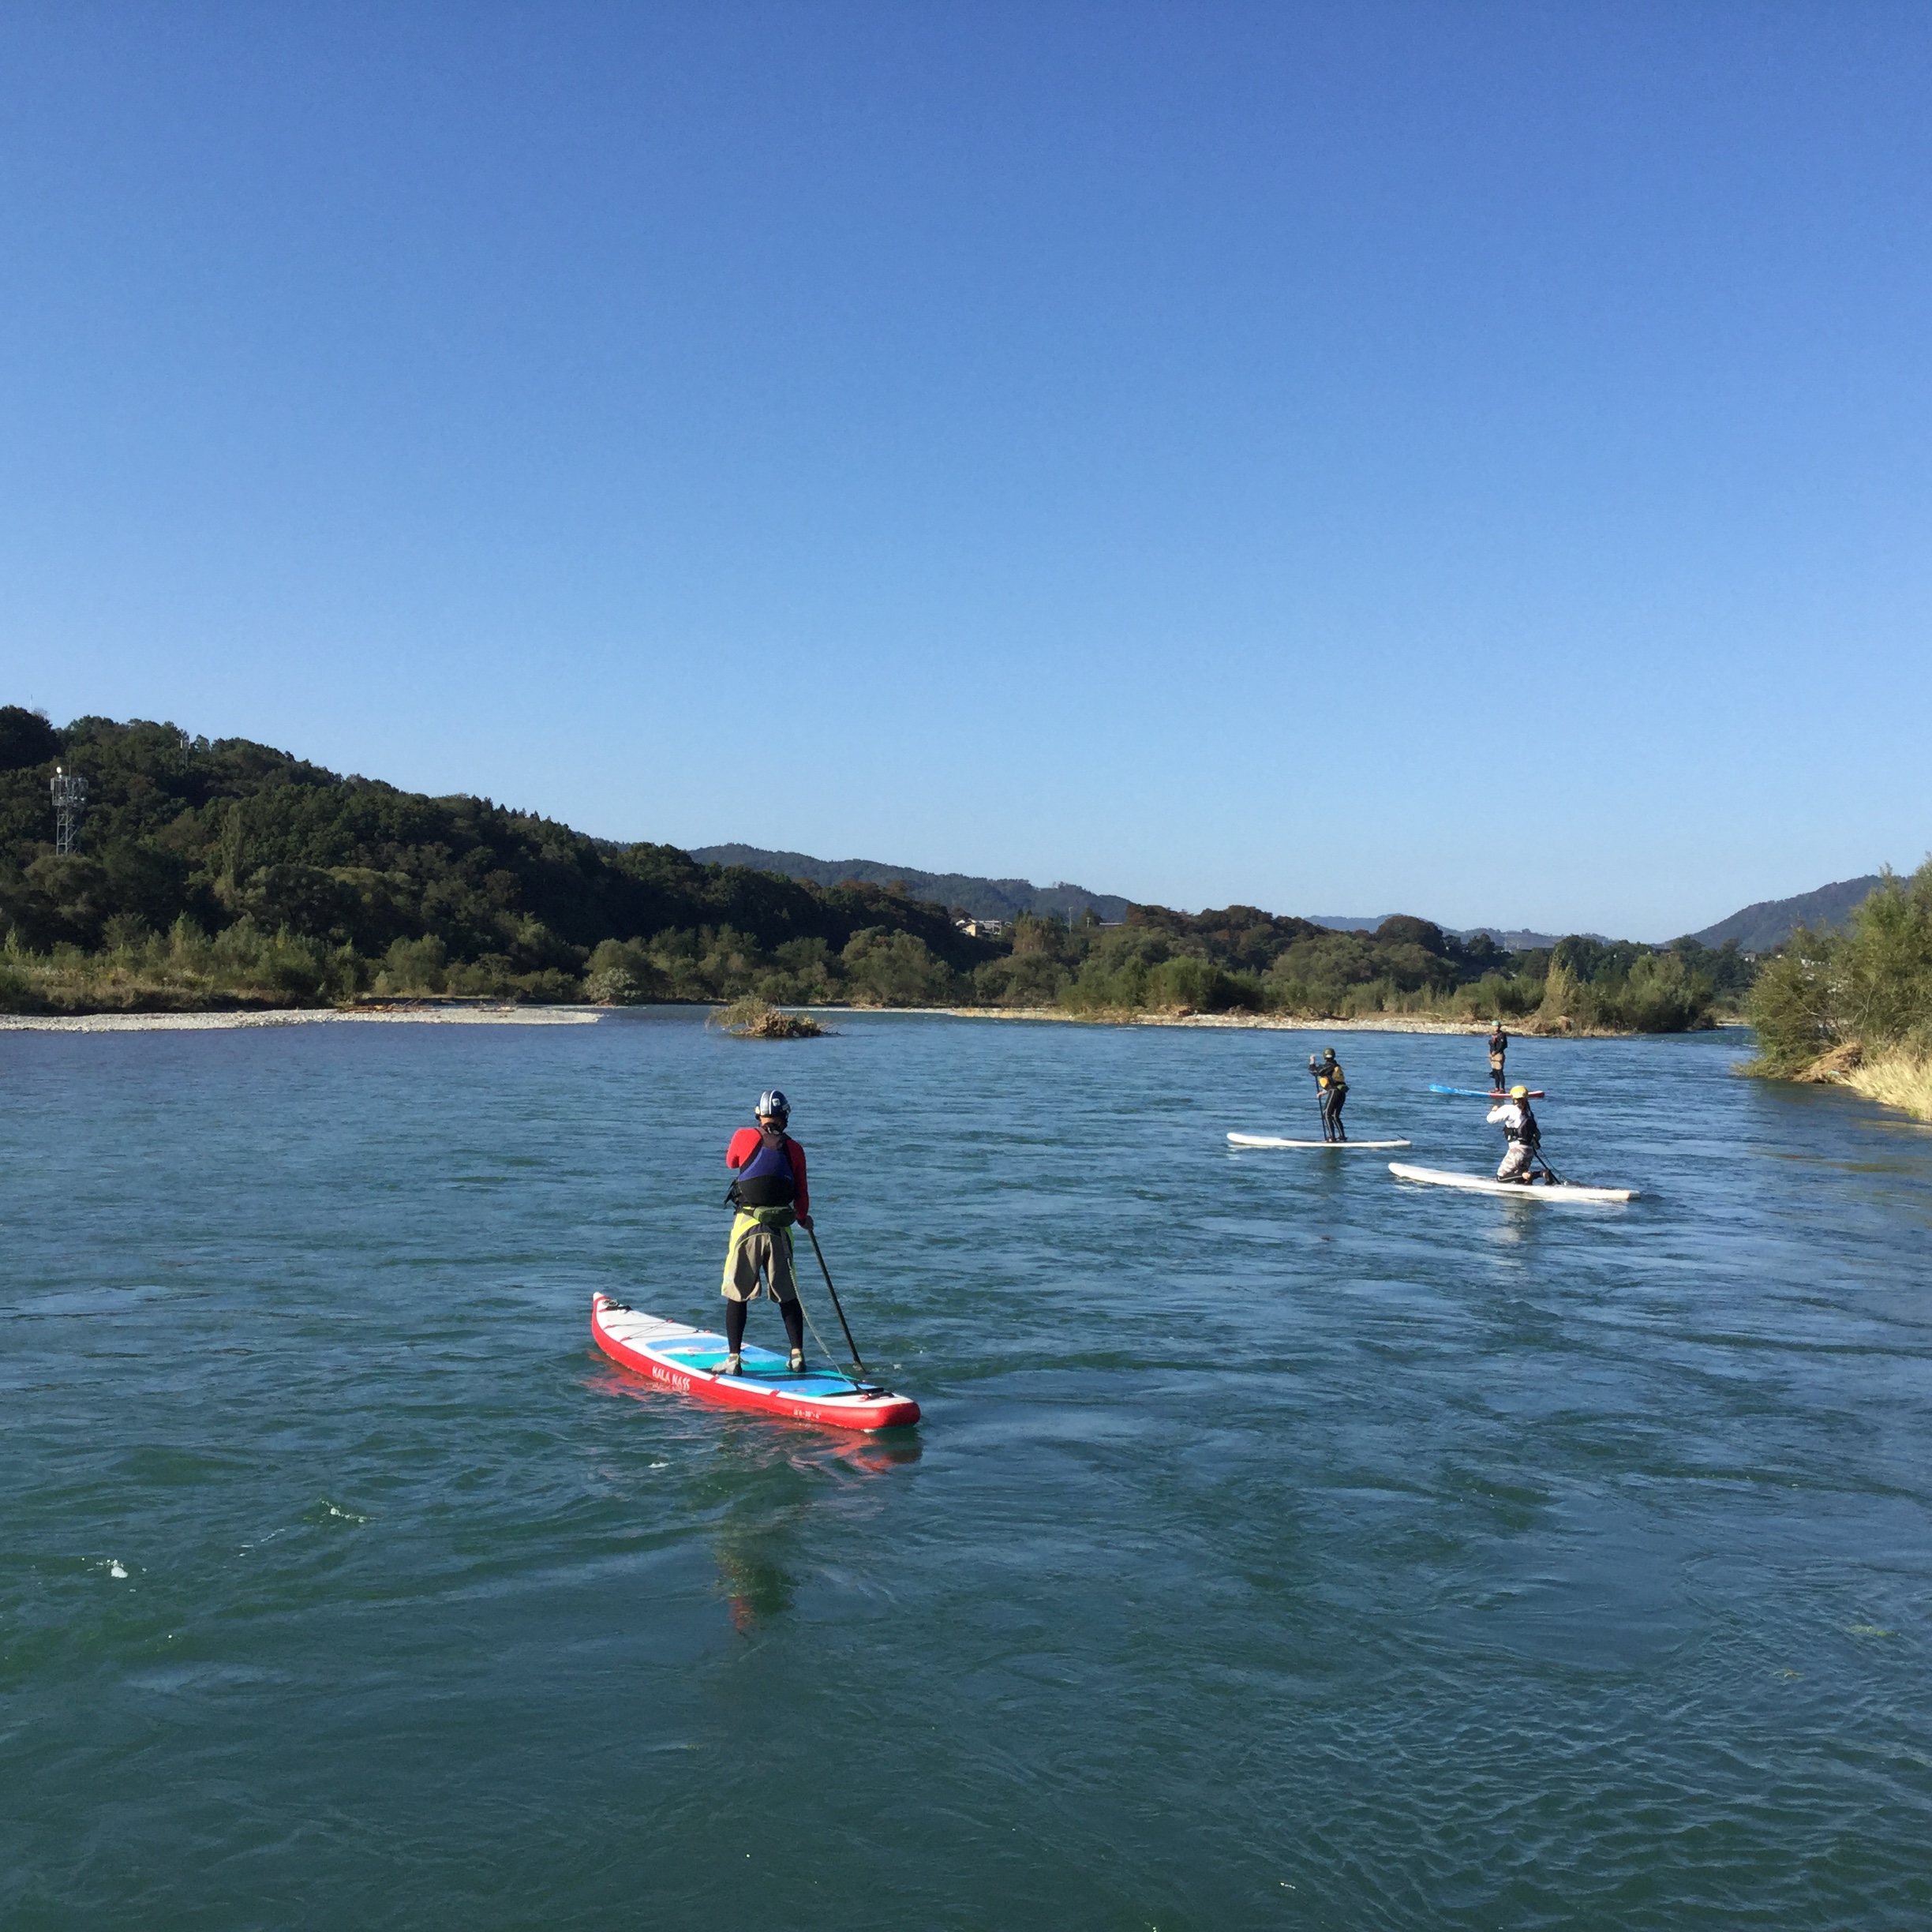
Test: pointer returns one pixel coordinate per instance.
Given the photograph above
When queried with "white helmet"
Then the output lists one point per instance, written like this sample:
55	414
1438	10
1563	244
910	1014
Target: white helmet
773	1105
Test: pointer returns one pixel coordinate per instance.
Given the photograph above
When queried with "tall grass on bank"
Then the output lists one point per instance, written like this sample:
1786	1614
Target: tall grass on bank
182	970
1898	1079
245	966
1658	994
1855	1005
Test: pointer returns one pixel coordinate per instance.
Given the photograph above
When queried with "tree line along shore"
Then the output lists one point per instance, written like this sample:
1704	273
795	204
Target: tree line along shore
1852	1006
206	875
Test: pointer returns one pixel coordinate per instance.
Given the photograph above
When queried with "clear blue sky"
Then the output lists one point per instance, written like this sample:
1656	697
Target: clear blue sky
1468	460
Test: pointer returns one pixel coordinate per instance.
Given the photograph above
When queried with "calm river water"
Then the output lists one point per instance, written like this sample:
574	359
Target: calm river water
1283	1546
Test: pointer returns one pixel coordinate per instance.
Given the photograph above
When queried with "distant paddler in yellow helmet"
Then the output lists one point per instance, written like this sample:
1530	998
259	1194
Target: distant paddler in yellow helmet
1526	1138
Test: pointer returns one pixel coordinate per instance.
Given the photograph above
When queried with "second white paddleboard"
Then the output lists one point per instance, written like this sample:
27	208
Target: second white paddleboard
1268	1141
1486	1184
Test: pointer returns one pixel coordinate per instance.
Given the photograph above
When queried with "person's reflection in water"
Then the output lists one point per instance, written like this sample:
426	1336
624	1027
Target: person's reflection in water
755	1589
754	1583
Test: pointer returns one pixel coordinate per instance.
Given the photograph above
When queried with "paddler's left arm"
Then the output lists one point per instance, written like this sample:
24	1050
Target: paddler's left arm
801	1205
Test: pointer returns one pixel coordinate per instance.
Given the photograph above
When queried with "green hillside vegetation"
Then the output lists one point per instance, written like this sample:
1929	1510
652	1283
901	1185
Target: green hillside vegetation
1854	1004
1240	959
1767	925
229	874
960	892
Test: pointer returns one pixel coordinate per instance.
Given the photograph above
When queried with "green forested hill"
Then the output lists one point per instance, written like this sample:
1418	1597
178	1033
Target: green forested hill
963	892
231	873
231	867
1765	926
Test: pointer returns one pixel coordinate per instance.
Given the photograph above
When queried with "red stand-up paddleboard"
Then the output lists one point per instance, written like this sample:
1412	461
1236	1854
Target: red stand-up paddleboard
688	1361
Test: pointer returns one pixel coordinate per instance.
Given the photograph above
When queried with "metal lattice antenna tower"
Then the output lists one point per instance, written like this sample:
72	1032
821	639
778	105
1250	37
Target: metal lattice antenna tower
69	807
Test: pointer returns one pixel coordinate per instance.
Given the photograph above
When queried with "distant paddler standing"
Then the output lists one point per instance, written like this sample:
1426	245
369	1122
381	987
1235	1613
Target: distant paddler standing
1331	1092
1498	1045
1526	1138
769	1196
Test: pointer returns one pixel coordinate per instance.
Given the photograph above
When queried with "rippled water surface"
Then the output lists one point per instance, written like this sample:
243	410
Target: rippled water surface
1283	1545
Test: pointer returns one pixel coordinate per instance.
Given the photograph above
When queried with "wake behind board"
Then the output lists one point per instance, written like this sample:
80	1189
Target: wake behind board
1488	1184
688	1359
1267	1140
1484	1093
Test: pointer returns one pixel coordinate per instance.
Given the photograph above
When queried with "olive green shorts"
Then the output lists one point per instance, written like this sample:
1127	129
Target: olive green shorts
758	1251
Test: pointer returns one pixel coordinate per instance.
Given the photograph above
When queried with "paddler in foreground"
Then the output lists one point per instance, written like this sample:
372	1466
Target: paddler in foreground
1332	1091
1526	1138
769	1196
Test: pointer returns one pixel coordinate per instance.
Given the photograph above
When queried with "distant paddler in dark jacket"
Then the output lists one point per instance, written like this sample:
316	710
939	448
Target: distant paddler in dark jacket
769	1196
1516	1120
1331	1089
1498	1045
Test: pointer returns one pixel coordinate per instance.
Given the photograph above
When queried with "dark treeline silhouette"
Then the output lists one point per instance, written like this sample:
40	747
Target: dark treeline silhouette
227	873
230	871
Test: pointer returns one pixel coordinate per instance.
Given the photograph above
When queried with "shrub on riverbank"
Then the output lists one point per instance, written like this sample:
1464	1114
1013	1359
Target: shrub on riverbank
1653	993
751	1019
1860	996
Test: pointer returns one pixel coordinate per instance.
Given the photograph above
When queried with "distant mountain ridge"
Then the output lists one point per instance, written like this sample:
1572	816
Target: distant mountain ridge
1007	898
1513	939
1769	923
979	898
1757	928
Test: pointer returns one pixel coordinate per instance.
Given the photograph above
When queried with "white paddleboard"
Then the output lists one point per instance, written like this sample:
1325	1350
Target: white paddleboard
1268	1141
1488	1184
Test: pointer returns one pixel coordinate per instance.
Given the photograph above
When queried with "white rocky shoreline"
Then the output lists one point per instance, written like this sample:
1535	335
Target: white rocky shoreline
427	1013
432	1012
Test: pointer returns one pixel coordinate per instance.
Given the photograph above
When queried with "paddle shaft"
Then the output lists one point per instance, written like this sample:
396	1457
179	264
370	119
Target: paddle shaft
811	1234
1321	1101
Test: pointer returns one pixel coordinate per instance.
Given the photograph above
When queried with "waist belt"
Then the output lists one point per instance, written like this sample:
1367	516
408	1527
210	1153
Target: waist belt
765	1217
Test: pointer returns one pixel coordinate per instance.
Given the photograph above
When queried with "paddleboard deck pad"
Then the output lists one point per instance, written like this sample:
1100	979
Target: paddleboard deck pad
1484	1093
1267	1140
1488	1184
688	1359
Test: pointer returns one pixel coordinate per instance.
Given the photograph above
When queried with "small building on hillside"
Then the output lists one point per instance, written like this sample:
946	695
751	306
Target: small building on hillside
981	928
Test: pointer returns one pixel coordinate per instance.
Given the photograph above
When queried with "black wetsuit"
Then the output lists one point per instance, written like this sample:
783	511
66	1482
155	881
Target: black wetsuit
1331	1084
